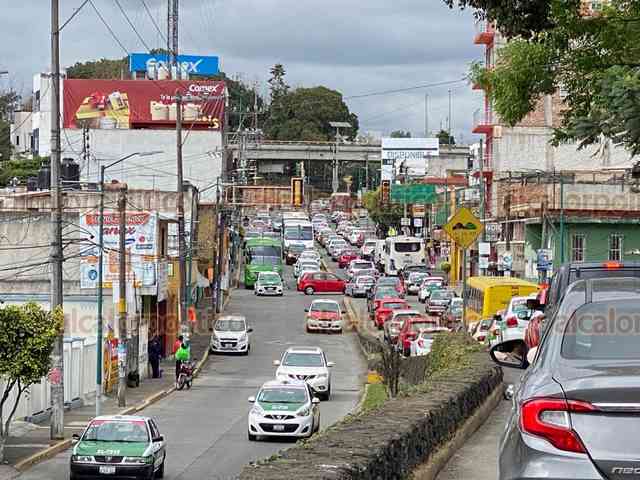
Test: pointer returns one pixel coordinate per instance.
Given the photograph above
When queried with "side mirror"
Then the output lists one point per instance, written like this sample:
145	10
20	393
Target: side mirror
331	364
159	438
344	312
75	438
249	330
252	399
315	400
531	354
510	354
306	309
276	363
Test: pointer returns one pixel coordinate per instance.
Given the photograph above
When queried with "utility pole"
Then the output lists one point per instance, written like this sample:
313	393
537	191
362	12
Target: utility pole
122	297
450	123
482	192
426	115
219	255
561	219
172	37
57	357
180	208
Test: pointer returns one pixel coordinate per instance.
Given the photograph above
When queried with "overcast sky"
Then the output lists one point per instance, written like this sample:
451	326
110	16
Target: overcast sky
356	47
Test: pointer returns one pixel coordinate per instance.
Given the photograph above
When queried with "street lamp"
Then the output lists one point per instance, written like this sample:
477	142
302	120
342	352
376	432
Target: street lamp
103	168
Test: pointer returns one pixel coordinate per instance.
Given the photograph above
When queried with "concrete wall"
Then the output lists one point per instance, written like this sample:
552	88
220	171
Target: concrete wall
21	132
527	148
202	159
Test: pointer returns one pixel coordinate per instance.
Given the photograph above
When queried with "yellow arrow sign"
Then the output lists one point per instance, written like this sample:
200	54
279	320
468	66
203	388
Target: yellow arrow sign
464	228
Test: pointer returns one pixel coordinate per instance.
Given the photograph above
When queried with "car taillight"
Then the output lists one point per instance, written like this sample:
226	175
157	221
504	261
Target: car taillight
512	321
549	418
612	265
421	343
481	338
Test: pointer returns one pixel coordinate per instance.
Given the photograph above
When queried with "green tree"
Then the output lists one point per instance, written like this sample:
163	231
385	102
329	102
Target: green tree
304	114
386	216
277	86
9	101
400	134
557	44
27	334
445	138
20	168
105	69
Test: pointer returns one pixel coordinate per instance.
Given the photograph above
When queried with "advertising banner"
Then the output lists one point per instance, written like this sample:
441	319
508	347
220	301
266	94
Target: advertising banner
109	104
141	249
409	154
191	64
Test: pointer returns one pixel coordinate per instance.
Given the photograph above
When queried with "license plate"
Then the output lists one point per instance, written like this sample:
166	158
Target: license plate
107	470
278	428
271	288
325	325
227	345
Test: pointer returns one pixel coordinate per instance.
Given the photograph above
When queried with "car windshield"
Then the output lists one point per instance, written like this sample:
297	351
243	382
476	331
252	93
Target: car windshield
442	295
296	248
417	277
365	280
229	326
298	232
394	305
603	331
269	278
116	431
370	243
282	395
325	307
405	316
388	281
303	360
519	304
419	326
265	260
407	247
251	234
361	265
349	253
386	292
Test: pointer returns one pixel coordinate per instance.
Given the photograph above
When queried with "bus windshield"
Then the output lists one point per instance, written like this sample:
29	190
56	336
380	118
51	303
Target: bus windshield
298	232
264	251
407	247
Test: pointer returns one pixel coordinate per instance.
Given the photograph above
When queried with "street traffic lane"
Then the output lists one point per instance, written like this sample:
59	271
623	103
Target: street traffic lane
206	427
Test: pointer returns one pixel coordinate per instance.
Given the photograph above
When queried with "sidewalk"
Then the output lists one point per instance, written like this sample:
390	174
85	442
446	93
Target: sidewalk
29	442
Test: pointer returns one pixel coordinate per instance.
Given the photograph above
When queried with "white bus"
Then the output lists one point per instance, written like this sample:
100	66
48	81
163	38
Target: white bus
401	251
297	232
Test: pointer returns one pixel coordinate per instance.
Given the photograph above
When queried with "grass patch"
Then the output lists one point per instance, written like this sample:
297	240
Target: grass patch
376	395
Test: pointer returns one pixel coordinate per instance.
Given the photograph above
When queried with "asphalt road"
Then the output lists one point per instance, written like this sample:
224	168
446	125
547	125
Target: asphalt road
206	427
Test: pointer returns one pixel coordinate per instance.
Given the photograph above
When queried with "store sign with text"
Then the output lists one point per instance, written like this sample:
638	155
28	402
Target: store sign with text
191	64
123	104
408	156
141	235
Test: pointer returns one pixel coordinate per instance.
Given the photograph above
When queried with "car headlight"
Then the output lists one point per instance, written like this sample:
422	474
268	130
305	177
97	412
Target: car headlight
140	460
322	375
82	459
243	338
305	412
257	410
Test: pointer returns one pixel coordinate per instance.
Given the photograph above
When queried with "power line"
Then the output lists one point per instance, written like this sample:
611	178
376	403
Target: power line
407	89
133	27
104	22
153	20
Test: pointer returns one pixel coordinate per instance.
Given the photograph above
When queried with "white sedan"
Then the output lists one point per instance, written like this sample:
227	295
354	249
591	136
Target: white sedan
422	344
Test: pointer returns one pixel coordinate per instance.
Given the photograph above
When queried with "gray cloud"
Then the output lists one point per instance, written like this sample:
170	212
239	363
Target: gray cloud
352	46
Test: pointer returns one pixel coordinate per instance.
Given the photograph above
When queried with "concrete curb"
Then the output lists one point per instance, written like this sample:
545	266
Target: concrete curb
439	459
363	396
43	455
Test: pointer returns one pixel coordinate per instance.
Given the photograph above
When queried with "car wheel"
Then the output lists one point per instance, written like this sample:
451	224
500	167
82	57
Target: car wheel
160	472
309	291
327	395
406	352
251	436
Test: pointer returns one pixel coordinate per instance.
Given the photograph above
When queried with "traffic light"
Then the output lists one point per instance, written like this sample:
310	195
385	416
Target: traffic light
385	193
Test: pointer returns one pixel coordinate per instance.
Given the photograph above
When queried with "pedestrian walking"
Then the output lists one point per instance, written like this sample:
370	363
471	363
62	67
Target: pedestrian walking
155	354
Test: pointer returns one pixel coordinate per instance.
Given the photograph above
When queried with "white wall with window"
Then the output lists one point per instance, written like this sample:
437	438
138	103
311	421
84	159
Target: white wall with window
578	247
616	245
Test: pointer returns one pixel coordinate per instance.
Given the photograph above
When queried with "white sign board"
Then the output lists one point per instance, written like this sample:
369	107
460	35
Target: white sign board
484	248
410	153
483	263
405	221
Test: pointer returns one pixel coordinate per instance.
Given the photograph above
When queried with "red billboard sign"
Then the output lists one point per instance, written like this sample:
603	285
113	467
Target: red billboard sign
142	103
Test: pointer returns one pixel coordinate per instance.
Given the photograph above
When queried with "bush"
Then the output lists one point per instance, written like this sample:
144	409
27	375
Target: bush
449	353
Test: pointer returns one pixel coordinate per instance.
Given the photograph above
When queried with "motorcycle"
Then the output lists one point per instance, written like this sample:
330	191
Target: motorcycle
185	377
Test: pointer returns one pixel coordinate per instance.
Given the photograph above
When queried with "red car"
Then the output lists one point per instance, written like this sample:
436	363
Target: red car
346	257
320	282
410	330
386	307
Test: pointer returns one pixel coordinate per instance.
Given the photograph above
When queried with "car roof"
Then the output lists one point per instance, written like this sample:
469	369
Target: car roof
303	350
322	300
393	299
232	317
122	418
406	311
284	383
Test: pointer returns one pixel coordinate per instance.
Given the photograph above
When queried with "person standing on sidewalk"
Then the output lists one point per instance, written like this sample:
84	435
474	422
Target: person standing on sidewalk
155	353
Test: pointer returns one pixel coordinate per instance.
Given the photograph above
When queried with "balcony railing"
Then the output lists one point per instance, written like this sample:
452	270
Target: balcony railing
485	33
483	121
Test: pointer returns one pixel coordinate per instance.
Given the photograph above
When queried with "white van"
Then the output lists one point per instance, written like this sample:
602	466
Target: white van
401	251
377	255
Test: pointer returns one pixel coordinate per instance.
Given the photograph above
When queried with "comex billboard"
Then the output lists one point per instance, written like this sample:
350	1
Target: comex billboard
109	104
409	154
189	64
141	246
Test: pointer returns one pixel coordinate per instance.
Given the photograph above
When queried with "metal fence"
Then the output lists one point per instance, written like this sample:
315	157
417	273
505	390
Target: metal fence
79	379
